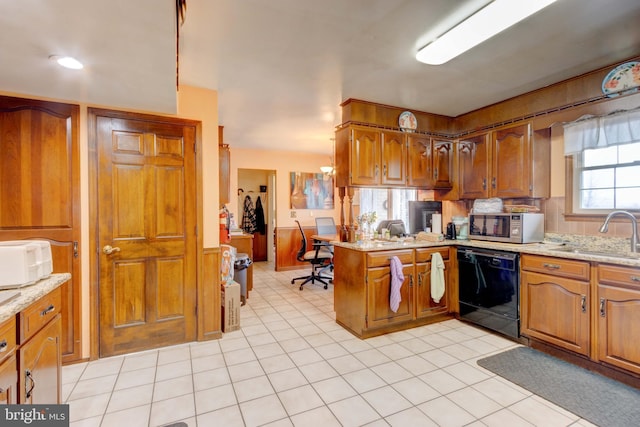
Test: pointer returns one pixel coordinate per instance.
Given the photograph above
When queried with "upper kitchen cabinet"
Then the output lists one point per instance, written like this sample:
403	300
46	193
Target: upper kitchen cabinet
430	162
511	162
369	157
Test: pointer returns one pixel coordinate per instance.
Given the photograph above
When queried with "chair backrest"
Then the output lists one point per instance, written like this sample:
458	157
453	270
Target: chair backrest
325	225
303	244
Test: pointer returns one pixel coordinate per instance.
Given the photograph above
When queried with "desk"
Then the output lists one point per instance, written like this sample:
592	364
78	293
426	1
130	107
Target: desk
325	238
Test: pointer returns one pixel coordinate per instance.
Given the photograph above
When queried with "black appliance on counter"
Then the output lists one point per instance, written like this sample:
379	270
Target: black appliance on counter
489	289
420	213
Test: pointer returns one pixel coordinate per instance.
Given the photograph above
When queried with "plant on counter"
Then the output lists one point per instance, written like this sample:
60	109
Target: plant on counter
365	221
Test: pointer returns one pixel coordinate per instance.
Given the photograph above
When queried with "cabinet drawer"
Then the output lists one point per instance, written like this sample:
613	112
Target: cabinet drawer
7	337
38	314
383	259
556	266
618	275
424	255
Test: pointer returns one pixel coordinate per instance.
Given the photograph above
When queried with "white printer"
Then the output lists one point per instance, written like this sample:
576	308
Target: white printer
24	262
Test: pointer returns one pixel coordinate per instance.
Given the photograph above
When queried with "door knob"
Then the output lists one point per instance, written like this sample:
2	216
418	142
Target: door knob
109	250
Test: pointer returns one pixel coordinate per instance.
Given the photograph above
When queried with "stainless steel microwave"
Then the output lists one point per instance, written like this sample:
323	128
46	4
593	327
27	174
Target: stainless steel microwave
507	227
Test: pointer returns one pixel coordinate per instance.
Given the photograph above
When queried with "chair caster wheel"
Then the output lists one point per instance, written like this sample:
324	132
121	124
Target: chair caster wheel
326	286
300	287
292	282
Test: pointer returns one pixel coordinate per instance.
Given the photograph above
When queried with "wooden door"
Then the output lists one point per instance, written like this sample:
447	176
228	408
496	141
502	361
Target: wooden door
511	162
394	159
443	164
473	161
555	310
419	165
9	381
378	292
365	157
146	231
619	327
40	194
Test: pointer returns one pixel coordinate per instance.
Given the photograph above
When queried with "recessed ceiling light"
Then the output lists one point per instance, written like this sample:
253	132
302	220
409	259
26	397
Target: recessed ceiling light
486	23
67	62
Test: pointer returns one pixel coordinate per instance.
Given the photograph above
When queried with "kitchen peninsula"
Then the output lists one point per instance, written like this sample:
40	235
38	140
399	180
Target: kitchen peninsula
576	301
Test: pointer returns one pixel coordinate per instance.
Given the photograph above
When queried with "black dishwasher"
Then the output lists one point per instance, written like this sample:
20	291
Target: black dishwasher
489	289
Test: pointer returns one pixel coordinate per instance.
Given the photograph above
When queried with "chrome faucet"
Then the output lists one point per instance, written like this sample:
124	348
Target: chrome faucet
634	226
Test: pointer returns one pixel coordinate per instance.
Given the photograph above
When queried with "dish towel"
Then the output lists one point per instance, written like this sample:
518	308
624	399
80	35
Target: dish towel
437	276
397	278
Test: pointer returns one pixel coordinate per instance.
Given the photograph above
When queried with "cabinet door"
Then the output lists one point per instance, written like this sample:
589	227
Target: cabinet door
511	163
425	305
378	293
419	165
443	164
555	310
619	327
394	159
365	157
39	364
9	381
473	161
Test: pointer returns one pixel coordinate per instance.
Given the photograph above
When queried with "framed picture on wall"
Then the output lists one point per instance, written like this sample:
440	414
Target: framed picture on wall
311	190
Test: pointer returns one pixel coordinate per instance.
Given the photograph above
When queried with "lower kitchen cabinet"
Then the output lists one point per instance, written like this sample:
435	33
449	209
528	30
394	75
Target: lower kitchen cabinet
363	286
555	301
8	362
618	321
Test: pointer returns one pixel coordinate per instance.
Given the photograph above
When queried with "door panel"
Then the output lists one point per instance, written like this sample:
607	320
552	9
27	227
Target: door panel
40	194
147	283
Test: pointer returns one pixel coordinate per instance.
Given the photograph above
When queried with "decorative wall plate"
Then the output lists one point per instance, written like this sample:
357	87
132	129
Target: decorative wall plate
407	121
623	79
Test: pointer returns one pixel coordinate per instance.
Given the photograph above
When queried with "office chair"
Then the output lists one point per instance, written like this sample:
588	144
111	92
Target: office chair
325	226
316	256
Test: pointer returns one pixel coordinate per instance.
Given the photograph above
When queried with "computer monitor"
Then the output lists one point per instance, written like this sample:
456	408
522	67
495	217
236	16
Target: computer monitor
420	213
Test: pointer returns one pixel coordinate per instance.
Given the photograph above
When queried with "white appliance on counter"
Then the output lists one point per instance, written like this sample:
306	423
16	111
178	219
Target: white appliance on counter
24	262
507	227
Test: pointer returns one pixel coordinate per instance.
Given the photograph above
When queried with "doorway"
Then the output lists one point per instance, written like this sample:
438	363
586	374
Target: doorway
259	186
145	249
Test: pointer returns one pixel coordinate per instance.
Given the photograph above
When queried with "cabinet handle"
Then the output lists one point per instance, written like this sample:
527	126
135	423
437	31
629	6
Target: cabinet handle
376	171
635	279
384	170
411	280
435	173
3	345
75	249
493	182
29	376
551	266
47	310
484	183
602	313
420	279
583	303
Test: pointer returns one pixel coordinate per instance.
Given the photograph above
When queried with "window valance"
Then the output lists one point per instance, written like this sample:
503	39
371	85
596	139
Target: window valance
620	127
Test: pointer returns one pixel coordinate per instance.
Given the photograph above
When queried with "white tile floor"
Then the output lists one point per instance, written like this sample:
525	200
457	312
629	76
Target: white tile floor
292	365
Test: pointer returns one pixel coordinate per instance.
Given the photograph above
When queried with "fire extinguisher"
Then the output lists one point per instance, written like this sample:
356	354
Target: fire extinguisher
224	225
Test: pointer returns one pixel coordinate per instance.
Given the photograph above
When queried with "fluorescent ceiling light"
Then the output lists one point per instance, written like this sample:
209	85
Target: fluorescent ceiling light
67	62
484	24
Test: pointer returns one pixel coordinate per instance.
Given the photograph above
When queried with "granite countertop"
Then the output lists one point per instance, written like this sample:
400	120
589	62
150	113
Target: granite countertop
13	301
594	251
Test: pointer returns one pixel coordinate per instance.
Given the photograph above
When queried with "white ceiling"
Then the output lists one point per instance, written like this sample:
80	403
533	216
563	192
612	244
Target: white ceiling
282	67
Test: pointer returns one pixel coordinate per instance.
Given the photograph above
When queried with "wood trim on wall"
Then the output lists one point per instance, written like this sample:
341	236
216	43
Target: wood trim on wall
288	243
209	320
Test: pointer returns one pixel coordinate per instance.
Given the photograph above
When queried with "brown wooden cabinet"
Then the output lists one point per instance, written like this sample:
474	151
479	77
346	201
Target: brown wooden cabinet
507	163
555	301
8	362
44	137
370	157
363	287
618	317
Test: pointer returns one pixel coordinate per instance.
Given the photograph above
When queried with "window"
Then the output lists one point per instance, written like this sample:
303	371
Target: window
606	162
387	203
607	178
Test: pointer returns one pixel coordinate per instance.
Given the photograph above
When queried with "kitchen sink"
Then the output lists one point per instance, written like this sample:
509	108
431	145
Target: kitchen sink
579	251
